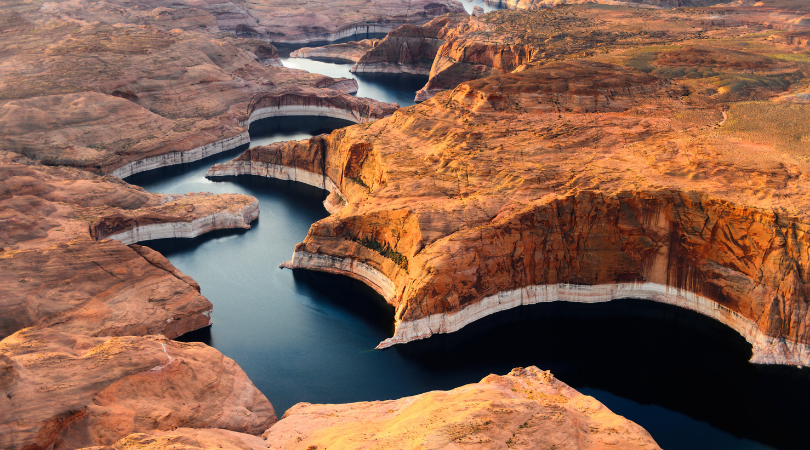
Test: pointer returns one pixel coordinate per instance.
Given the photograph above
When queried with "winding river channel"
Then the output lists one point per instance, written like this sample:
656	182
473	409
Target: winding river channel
310	337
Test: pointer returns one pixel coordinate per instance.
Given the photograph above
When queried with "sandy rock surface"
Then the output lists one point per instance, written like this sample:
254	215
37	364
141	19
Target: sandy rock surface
72	391
187	439
526	409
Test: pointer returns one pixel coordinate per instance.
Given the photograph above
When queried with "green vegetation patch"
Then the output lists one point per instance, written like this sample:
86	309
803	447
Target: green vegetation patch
385	250
780	124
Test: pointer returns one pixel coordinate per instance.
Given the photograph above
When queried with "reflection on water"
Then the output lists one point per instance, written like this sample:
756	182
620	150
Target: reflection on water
304	336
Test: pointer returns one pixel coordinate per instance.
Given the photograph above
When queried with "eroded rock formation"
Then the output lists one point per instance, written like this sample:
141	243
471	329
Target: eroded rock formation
526	409
579	181
59	271
70	391
348	51
122	98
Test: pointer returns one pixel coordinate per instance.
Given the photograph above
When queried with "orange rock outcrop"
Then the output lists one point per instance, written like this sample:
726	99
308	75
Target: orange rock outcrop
525	409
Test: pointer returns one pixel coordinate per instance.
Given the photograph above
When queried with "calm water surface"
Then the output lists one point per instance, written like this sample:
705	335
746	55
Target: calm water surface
305	336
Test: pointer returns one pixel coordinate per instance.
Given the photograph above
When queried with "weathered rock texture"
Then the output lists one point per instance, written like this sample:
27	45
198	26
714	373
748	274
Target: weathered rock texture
409	49
285	21
646	177
59	271
69	391
318	102
186	439
122	98
348	51
505	41
526	409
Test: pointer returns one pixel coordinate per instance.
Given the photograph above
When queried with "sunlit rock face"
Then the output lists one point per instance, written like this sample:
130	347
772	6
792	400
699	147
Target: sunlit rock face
632	171
527	408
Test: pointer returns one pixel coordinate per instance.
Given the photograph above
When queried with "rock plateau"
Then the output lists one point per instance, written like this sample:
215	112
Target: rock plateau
634	171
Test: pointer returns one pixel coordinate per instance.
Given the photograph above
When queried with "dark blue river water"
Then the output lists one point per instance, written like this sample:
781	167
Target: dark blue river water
305	336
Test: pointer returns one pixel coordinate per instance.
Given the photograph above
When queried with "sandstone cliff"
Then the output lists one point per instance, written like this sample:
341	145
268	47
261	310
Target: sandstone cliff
526	409
579	181
409	49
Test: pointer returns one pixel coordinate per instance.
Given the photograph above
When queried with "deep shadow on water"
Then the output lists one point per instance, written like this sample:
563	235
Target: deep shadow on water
304	336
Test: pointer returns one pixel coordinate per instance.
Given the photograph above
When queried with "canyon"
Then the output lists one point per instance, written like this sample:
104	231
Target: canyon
578	153
448	230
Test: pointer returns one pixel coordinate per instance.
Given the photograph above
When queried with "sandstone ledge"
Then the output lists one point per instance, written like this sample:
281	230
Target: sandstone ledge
70	391
267	170
318	102
344	266
189	156
167	230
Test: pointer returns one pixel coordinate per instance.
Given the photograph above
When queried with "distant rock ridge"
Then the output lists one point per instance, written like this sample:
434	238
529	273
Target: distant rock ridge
537	4
297	101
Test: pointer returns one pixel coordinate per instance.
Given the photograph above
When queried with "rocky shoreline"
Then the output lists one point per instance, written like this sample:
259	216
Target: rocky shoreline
189	156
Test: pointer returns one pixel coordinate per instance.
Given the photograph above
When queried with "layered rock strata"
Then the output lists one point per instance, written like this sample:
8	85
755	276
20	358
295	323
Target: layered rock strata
579	181
527	408
71	391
